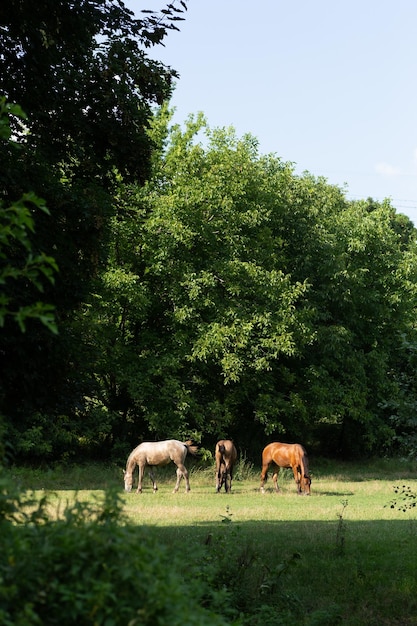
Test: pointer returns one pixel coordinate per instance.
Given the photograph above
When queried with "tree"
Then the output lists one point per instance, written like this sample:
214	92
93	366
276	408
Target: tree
242	299
17	225
82	75
195	310
363	288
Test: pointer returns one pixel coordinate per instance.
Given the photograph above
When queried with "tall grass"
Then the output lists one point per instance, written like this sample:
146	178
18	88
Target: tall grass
343	555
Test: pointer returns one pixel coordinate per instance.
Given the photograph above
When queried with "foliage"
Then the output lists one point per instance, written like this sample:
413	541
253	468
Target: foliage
199	291
363	292
92	568
16	227
84	77
205	290
256	302
96	78
401	408
232	564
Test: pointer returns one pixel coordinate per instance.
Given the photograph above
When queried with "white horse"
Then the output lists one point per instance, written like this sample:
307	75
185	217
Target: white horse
154	453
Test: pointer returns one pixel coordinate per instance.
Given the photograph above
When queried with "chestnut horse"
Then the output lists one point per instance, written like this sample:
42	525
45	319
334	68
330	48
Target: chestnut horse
287	455
226	456
154	453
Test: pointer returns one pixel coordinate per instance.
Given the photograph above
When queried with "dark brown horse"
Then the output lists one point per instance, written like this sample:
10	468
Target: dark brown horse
153	453
226	456
287	455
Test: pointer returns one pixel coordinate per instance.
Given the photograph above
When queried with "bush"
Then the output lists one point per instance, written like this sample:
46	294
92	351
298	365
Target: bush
90	567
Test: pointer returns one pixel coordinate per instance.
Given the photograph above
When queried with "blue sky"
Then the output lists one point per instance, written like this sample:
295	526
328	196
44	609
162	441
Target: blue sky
329	85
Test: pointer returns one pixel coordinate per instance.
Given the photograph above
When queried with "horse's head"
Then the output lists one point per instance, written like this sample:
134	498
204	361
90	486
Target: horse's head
306	483
128	480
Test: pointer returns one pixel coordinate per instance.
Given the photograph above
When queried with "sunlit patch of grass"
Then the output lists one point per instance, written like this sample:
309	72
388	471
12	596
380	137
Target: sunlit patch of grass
68	476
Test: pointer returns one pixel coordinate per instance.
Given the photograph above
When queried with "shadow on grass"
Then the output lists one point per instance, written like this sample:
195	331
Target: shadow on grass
366	569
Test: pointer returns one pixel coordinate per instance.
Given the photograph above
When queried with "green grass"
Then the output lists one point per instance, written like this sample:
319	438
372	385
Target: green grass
342	555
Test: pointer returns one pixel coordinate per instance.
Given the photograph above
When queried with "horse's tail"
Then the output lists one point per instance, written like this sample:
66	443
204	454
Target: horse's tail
222	448
191	448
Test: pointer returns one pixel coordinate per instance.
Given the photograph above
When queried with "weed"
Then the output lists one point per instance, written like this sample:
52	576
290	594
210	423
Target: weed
236	567
227	519
272	575
326	617
244	470
341	531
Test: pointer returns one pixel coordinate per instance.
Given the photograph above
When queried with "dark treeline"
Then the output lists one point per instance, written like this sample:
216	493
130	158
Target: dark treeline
204	290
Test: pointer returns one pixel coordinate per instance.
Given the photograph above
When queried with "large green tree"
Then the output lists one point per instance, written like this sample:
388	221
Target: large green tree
360	258
242	299
193	301
82	74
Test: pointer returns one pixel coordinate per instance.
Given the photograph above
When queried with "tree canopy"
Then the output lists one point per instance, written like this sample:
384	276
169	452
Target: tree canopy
241	299
204	289
82	75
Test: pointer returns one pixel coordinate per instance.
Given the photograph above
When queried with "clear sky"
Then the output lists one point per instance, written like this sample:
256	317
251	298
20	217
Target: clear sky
329	85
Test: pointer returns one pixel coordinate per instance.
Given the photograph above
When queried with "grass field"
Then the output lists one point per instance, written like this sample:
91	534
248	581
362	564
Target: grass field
342	555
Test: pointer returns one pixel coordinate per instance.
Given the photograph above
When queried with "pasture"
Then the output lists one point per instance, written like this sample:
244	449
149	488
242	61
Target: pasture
342	555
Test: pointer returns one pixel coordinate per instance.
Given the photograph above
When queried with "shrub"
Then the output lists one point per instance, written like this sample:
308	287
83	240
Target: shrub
90	567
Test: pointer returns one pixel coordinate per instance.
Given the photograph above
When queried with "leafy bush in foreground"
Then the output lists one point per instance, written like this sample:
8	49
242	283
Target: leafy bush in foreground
91	568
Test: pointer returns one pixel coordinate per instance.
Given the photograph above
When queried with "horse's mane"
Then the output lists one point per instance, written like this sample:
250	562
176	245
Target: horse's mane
304	461
130	463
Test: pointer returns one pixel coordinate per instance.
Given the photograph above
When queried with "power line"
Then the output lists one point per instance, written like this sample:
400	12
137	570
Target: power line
404	204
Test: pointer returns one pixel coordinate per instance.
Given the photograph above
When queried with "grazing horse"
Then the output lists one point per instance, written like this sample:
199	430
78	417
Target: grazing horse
154	453
287	455
226	456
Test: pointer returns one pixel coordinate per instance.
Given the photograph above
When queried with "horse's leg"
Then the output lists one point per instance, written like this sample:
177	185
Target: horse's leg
187	481
141	470
228	478
275	479
152	477
177	484
185	474
218	478
264	475
182	472
224	477
297	477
